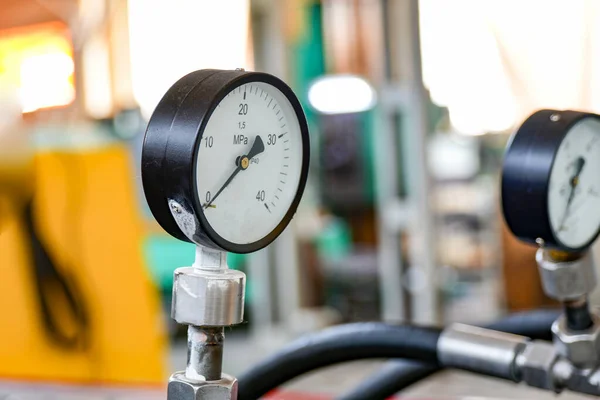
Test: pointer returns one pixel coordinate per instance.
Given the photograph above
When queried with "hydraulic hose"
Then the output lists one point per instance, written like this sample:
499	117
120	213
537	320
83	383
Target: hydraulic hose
339	344
399	374
534	324
391	378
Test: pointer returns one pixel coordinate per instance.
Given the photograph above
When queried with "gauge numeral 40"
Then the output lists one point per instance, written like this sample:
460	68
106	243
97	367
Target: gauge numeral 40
260	196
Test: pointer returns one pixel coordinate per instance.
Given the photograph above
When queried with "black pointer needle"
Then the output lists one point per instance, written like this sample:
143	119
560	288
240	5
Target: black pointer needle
580	162
257	148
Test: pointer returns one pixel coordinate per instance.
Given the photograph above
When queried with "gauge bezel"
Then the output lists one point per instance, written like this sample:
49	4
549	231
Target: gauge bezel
171	149
526	172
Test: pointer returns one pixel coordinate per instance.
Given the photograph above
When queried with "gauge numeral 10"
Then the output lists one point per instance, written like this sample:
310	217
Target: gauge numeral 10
260	196
271	139
208	141
243	109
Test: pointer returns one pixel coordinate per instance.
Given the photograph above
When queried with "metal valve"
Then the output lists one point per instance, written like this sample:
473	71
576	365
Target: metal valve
571	362
207	297
569	280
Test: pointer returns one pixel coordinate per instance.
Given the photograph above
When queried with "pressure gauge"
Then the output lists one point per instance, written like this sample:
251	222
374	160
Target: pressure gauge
551	180
225	159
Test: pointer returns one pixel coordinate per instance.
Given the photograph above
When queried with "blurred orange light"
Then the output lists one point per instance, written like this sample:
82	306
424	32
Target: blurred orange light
38	62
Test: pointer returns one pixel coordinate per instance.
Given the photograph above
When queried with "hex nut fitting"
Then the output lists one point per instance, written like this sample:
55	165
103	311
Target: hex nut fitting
566	280
582	348
180	388
205	297
536	364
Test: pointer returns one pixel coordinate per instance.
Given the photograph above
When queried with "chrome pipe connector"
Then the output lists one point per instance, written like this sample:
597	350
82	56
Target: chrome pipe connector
207	297
516	358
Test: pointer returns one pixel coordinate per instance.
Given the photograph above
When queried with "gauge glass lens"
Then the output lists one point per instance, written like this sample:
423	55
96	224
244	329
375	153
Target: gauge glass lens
574	189
249	163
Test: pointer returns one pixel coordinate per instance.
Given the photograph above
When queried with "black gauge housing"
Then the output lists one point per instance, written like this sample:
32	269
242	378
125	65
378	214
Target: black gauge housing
170	154
526	172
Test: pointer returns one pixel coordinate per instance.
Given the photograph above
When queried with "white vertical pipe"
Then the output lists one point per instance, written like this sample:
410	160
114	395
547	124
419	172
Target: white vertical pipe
261	303
423	249
389	253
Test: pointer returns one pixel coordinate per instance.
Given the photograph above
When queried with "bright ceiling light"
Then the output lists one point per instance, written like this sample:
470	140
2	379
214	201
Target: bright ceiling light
341	94
46	81
169	39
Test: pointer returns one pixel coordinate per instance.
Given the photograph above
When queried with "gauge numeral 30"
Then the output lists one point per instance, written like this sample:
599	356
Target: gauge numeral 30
271	139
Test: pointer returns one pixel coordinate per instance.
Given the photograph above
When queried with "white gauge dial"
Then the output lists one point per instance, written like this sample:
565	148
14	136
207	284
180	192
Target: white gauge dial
574	190
249	163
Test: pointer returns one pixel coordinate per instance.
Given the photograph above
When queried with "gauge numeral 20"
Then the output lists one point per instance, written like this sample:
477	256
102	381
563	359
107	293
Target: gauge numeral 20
271	139
243	109
260	196
208	141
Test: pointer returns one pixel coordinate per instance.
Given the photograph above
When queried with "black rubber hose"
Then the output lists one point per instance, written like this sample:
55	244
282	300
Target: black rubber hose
397	375
335	345
533	324
392	377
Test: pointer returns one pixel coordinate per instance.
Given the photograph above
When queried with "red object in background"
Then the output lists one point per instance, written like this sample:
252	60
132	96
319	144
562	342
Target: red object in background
289	395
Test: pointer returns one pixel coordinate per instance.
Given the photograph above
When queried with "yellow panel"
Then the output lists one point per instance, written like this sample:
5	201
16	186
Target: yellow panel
88	219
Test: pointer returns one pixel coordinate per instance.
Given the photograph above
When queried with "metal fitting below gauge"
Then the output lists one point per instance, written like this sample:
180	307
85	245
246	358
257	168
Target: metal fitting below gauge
205	297
566	280
569	278
208	297
181	388
582	348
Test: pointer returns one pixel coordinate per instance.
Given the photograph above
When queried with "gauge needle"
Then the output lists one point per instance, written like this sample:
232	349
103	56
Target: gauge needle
242	163
574	181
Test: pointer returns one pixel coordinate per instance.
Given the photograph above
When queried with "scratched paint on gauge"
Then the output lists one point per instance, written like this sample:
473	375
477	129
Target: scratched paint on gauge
574	189
249	162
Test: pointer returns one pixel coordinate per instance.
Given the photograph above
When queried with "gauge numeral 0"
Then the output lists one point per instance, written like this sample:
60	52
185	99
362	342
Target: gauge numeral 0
243	109
207	198
208	141
260	196
271	139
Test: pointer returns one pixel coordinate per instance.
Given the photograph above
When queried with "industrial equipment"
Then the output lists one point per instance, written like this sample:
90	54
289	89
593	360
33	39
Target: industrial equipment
549	198
224	165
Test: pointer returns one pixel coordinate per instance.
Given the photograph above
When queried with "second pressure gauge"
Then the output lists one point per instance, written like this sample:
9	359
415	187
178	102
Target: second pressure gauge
225	159
551	180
